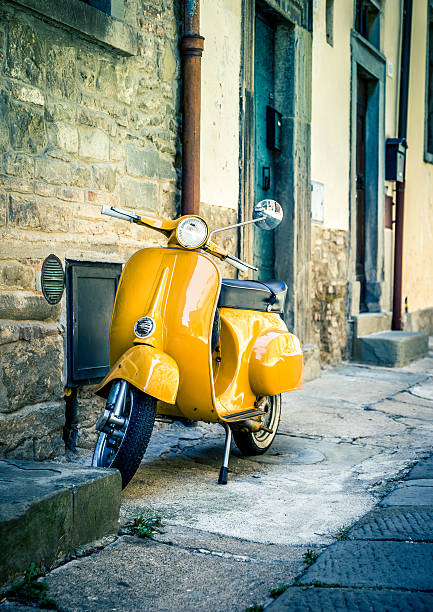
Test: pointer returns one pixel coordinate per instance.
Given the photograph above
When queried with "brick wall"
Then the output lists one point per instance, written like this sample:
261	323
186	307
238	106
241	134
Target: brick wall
80	125
329	274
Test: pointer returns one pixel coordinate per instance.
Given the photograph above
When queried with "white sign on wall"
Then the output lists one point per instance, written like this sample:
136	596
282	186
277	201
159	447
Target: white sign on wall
317	201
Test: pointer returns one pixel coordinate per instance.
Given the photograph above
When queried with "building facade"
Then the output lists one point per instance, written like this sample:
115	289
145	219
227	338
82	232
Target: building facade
298	99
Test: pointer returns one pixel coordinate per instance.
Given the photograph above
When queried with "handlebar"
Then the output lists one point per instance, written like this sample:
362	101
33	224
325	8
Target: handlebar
119	213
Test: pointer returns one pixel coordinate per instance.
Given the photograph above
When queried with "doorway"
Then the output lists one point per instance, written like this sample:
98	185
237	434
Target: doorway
264	155
361	176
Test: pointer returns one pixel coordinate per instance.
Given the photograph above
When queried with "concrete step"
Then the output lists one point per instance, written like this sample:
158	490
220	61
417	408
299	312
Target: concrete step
390	348
49	509
371	323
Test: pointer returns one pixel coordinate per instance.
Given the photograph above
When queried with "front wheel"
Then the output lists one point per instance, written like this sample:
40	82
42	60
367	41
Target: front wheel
124	438
258	442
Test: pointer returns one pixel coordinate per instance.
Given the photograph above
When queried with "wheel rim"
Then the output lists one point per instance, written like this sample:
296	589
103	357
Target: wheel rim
270	419
108	444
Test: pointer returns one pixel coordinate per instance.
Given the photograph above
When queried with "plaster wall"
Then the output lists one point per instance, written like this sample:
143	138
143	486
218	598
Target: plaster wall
330	130
221	27
418	220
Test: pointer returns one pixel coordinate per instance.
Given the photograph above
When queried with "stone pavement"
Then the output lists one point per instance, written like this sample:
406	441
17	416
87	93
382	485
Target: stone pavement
385	563
343	442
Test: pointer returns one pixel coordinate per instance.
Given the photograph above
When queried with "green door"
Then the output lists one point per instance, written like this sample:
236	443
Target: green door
264	188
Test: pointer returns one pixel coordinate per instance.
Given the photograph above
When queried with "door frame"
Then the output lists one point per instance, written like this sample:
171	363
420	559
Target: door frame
293	60
372	63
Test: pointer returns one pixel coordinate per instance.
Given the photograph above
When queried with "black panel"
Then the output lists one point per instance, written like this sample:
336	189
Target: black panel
91	289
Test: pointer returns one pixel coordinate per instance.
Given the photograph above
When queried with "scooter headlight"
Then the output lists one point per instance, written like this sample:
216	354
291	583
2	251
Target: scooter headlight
192	233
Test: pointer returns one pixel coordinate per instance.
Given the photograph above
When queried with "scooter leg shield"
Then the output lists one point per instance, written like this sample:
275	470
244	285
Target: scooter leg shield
150	370
276	363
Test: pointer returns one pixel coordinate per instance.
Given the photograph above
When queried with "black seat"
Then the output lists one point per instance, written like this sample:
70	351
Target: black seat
267	296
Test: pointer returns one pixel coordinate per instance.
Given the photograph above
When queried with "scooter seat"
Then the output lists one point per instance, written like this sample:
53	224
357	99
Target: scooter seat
267	295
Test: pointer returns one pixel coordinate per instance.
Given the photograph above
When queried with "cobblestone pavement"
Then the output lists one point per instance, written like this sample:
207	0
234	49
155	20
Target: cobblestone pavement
344	442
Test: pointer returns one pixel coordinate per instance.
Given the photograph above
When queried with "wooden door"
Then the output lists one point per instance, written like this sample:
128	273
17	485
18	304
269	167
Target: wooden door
264	188
361	162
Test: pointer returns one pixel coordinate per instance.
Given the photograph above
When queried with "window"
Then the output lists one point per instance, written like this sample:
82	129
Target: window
96	20
114	8
429	88
330	22
367	20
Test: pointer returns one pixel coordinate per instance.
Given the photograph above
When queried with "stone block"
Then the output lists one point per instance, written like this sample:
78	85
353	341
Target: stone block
81	175
38	214
61	71
423	469
21	306
25	55
371	323
142	195
54	171
313	599
4	122
48	510
395	523
15	274
411	493
31	373
18	164
391	348
66	137
94	143
148	163
104	177
388	565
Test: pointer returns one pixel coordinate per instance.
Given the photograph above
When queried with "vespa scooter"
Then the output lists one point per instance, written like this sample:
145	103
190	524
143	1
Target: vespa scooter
186	343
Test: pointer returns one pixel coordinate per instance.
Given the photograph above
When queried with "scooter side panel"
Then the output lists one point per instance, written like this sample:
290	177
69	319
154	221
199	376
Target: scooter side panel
239	332
187	285
148	369
276	363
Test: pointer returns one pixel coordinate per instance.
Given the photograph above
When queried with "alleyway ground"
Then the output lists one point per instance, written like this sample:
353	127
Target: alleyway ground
343	442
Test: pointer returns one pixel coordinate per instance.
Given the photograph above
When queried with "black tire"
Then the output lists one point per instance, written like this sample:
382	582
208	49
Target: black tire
126	454
257	443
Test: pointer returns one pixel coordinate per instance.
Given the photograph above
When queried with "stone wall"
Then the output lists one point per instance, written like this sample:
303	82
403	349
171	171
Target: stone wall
80	125
329	274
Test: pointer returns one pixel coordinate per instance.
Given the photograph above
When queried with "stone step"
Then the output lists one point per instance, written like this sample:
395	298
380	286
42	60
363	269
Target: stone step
390	348
371	323
49	509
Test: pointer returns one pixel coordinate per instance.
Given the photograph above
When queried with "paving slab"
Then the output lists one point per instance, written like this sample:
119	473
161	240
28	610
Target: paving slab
423	469
138	574
300	599
49	509
410	493
375	564
395	523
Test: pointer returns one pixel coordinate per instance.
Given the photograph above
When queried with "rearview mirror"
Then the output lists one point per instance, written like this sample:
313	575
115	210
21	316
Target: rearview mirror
270	214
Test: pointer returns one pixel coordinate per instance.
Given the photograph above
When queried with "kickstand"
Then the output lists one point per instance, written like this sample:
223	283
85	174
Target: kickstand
225	466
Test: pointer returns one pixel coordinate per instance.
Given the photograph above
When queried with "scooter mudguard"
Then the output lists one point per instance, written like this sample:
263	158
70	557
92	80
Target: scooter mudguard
150	370
276	363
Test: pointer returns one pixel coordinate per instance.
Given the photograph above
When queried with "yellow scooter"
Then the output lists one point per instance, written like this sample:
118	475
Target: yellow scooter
186	343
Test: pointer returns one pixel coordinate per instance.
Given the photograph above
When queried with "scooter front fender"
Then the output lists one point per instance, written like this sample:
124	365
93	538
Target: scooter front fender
150	370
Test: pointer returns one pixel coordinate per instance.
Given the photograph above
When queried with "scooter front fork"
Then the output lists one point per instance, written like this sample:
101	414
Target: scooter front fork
225	466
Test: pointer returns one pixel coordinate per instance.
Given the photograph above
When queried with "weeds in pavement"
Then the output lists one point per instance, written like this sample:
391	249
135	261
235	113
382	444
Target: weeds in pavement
318	583
276	592
146	527
31	590
310	556
342	533
255	608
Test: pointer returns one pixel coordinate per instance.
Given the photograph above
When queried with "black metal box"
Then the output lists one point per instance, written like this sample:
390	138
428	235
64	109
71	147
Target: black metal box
90	290
395	159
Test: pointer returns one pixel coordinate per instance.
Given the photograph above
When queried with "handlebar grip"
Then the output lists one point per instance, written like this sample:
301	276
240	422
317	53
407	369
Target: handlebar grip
239	264
119	213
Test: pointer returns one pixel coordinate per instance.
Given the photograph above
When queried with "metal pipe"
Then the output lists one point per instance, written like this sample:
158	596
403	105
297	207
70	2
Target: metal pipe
225	465
192	46
402	133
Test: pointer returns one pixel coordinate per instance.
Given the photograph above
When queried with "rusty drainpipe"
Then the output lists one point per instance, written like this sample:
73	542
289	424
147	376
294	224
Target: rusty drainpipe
401	186
191	48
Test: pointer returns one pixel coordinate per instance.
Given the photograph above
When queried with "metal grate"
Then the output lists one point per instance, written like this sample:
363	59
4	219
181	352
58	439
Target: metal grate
52	279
